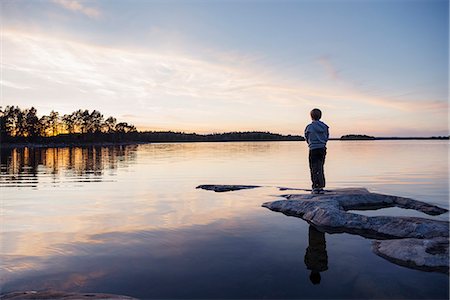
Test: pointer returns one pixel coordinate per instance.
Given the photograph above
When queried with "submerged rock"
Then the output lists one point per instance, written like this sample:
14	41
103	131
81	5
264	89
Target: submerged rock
425	255
225	188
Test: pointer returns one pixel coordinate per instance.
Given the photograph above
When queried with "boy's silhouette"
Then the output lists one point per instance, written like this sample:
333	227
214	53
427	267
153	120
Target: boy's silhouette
316	258
316	135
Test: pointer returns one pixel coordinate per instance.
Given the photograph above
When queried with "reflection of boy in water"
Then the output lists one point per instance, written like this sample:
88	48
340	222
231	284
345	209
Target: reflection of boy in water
316	258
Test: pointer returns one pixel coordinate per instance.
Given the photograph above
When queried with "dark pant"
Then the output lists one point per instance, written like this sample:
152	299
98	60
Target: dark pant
316	162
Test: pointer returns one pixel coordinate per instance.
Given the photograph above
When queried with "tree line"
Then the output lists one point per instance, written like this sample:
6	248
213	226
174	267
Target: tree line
357	137
170	136
84	126
24	123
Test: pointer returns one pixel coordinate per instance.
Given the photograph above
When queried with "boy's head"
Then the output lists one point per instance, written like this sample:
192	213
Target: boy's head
315	277
316	114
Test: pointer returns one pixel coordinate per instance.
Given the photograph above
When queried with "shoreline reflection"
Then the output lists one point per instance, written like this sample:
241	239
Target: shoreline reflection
24	166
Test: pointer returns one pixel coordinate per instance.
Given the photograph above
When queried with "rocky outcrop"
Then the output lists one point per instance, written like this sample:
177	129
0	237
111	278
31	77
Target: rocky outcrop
362	199
413	242
417	243
329	212
225	188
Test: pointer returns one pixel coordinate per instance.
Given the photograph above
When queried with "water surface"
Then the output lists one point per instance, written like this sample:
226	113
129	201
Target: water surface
128	220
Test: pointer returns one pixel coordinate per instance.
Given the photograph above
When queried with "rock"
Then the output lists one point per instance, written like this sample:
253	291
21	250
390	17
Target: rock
426	255
416	243
329	212
228	188
362	199
60	295
225	188
282	188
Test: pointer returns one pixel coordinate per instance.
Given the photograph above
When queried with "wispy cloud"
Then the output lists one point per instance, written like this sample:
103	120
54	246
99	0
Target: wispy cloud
78	6
13	85
329	67
210	91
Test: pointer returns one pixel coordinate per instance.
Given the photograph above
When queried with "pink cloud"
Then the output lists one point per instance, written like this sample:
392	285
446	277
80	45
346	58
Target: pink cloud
77	6
329	67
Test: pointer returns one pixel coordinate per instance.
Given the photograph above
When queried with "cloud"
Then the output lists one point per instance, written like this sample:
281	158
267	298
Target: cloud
132	73
13	85
329	67
77	6
146	74
211	91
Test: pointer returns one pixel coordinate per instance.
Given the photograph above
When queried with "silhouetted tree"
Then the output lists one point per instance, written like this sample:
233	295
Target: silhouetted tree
21	126
94	122
32	123
78	121
45	128
69	121
109	125
11	119
54	122
84	120
3	134
124	127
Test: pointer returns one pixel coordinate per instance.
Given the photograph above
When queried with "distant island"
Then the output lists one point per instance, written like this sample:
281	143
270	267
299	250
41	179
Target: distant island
363	137
83	127
357	137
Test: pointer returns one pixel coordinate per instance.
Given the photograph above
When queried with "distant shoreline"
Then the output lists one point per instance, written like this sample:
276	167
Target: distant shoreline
9	145
391	138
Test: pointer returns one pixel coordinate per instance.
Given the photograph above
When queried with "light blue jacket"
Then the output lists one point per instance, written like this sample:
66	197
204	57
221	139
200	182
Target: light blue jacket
316	135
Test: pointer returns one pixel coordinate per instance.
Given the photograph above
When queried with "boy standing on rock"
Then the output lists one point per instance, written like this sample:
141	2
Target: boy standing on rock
316	135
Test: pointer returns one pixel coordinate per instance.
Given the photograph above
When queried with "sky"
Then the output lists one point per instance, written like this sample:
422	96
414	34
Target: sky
374	67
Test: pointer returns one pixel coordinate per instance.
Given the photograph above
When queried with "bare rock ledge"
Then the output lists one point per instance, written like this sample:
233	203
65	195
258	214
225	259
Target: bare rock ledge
417	243
329	212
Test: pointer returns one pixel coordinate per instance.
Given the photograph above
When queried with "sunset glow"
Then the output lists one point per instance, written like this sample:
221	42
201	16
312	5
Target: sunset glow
377	68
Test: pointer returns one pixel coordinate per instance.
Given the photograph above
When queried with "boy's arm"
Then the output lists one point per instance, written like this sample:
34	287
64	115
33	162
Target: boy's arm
307	134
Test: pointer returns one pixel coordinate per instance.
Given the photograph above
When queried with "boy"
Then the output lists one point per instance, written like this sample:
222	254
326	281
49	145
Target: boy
316	135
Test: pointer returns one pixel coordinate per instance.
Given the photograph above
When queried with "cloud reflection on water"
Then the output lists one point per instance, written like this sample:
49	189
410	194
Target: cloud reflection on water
135	222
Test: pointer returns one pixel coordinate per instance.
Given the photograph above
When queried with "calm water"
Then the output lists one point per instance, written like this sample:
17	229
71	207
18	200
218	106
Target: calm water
128	220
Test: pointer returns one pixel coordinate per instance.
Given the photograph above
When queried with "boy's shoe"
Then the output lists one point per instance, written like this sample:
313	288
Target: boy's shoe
317	191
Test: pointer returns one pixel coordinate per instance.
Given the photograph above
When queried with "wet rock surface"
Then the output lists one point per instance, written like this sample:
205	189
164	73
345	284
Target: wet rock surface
422	254
417	243
329	212
362	199
413	242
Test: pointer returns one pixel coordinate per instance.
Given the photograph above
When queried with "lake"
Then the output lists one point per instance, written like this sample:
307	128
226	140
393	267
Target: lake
129	220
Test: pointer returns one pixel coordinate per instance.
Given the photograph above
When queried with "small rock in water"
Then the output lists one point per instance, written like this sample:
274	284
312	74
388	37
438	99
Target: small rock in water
425	255
225	188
